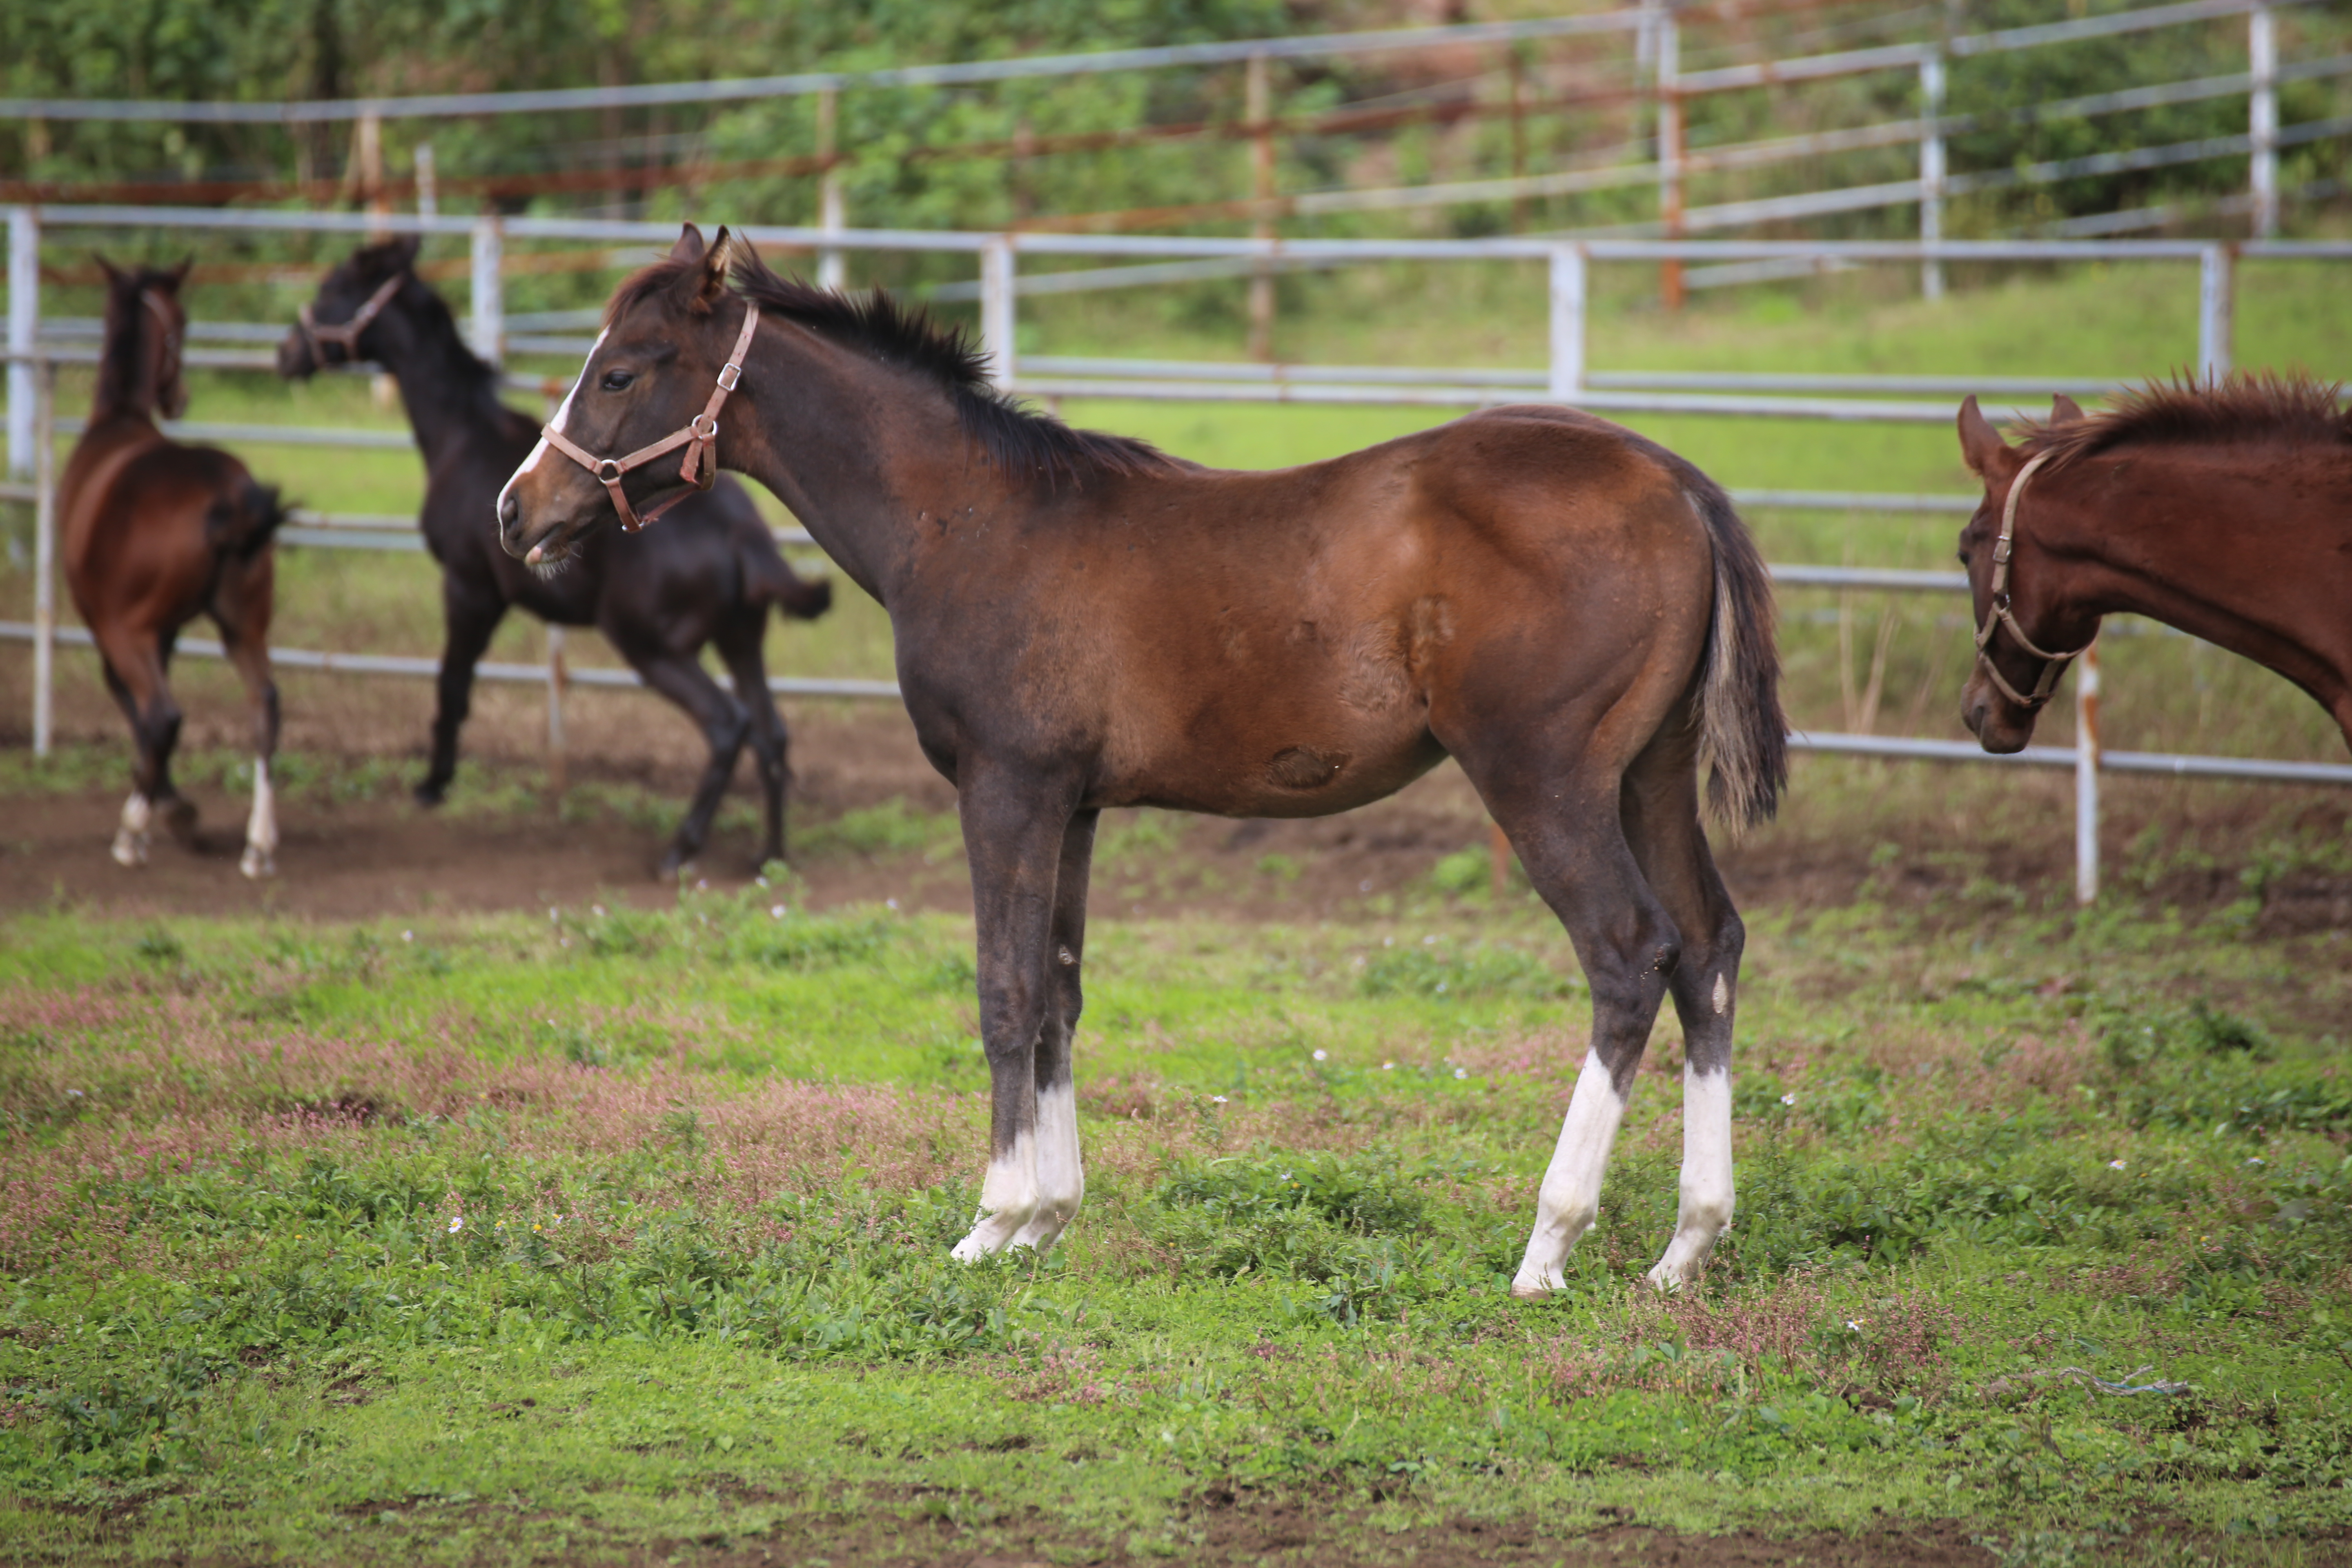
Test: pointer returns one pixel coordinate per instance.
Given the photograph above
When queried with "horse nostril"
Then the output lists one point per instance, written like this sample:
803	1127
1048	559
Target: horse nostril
509	513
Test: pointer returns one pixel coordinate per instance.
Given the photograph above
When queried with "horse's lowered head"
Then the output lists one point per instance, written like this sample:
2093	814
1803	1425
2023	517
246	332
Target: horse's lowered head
640	429
146	326
2027	633
345	321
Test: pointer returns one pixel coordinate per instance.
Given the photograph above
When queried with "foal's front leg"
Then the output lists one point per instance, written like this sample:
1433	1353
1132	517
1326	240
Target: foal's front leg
1061	1173
1012	833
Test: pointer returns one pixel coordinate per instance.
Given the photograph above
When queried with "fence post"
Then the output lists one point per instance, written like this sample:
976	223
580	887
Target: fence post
428	183
1568	319
1670	155
1931	170
996	308
2216	302
2086	776
1257	109
488	325
558	678
24	326
2262	113
44	554
830	208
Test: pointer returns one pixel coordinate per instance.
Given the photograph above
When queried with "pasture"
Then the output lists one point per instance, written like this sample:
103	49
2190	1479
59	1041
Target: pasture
466	1197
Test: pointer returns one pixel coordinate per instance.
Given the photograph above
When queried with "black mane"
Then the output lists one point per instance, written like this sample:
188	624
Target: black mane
1019	440
128	324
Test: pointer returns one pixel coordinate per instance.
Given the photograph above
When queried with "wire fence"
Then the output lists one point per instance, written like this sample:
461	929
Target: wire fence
1566	379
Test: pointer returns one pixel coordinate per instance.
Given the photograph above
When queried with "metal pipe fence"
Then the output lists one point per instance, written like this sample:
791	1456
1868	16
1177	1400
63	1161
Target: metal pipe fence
1568	379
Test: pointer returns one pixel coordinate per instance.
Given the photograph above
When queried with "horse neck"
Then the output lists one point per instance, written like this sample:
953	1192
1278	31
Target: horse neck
451	394
127	377
863	486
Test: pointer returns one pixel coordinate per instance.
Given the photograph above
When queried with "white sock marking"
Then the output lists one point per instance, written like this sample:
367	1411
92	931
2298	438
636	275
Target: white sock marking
1571	1198
1008	1200
131	839
1707	1186
562	413
261	828
1061	1175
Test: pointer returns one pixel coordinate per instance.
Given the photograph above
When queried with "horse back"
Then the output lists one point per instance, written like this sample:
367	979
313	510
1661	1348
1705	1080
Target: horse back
146	519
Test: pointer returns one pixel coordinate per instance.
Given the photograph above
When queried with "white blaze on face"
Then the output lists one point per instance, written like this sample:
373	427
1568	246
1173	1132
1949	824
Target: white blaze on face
562	413
1707	1197
1570	1197
1008	1201
1061	1176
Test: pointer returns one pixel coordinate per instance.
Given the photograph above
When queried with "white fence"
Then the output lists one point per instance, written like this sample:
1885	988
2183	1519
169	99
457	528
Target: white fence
1568	379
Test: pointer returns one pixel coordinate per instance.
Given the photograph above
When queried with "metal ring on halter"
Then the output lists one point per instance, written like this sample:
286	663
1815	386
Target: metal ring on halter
697	424
609	471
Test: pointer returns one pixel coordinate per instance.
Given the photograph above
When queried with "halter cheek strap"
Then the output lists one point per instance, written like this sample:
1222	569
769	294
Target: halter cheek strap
700	437
345	335
2054	665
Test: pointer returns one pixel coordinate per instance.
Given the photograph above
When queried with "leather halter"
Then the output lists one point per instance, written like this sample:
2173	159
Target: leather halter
346	335
2054	665
699	436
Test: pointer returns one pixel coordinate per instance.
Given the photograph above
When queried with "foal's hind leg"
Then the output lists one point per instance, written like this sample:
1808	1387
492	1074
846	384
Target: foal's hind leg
1061	1173
739	645
1570	837
1661	819
241	607
134	674
682	679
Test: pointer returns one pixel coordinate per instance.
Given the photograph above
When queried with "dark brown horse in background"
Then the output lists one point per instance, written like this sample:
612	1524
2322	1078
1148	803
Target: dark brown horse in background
706	578
156	533
1572	613
2224	510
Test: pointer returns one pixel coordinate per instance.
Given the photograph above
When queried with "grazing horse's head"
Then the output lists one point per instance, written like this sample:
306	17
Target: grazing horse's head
145	327
2026	634
649	377
345	324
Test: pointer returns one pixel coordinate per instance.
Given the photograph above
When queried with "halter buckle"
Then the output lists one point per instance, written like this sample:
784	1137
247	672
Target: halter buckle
729	374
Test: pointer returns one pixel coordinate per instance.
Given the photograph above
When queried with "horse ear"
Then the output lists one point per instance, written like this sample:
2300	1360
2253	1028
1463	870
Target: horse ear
404	250
689	245
2064	410
712	283
179	274
114	273
1992	458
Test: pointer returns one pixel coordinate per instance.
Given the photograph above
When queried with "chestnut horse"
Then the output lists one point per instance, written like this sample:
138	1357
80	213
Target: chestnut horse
155	534
1572	613
659	598
2223	509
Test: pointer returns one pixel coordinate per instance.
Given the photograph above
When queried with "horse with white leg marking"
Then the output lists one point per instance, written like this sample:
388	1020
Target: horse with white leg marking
1574	614
154	533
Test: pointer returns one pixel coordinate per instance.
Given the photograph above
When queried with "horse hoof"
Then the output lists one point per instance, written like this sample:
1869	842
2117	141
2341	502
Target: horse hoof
676	863
130	849
258	863
429	794
1535	1287
179	819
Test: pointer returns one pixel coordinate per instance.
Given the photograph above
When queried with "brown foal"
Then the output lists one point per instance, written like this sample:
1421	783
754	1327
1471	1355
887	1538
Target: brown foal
155	534
2223	509
1572	613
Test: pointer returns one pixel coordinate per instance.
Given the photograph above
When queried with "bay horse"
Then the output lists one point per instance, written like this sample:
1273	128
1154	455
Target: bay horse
659	598
2224	510
1574	614
154	533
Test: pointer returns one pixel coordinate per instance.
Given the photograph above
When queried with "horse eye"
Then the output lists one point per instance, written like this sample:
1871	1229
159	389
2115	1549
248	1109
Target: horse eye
615	380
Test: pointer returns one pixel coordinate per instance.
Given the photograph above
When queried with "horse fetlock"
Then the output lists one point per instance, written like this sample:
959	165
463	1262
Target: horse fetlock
179	815
131	839
257	862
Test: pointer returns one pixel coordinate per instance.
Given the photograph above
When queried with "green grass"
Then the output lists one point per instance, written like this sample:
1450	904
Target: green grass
453	1241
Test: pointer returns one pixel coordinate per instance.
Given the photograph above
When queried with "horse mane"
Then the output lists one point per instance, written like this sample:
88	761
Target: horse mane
1019	440
2240	409
127	325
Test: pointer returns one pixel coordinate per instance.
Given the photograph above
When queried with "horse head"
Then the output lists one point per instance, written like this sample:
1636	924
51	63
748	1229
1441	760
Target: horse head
652	386
2026	636
146	326
343	323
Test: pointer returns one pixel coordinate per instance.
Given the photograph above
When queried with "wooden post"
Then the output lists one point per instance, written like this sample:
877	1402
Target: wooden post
2262	112
996	310
24	328
367	166
1670	155
830	272
558	678
489	312
428	184
1569	309
1519	138
1931	171
2216	302
1257	109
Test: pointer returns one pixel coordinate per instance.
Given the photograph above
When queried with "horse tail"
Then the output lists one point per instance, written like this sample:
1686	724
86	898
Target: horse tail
1743	735
240	523
769	578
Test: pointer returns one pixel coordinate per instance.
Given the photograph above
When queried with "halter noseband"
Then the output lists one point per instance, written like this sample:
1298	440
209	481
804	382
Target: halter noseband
2054	665
700	437
346	335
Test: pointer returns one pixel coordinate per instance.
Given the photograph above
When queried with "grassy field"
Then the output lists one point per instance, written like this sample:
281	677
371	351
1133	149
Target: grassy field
603	1232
